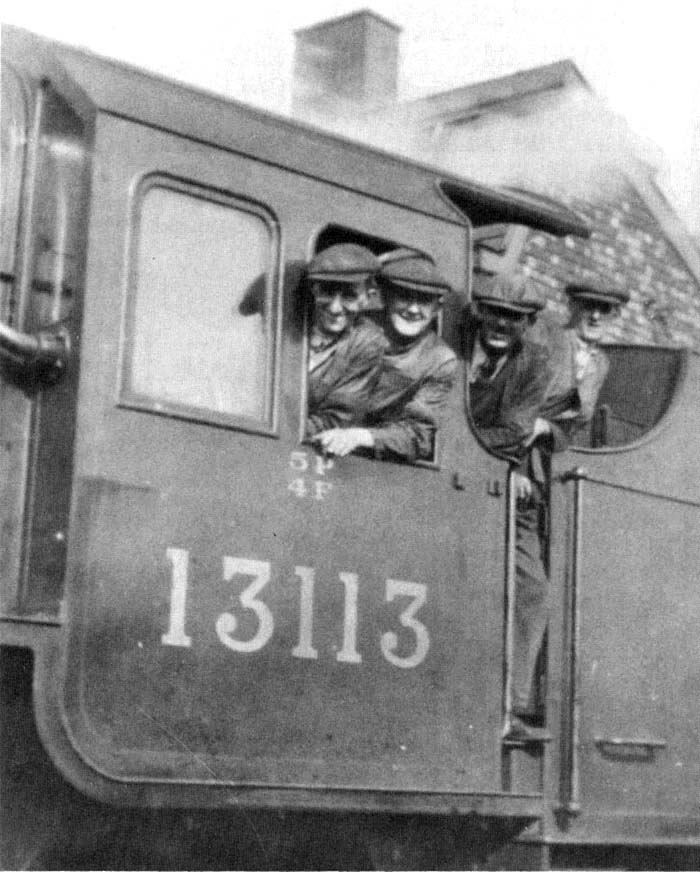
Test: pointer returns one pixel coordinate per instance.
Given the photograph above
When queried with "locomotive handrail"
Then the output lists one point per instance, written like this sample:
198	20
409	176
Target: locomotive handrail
581	474
571	785
44	353
510	602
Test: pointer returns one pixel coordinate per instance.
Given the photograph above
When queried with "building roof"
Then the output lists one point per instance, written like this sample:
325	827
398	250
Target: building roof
470	100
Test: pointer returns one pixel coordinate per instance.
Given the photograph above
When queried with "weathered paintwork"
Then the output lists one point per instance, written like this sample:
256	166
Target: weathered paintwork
631	672
221	616
147	483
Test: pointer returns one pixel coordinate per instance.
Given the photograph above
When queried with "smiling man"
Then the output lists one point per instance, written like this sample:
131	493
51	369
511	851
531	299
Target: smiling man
418	369
345	349
508	375
508	379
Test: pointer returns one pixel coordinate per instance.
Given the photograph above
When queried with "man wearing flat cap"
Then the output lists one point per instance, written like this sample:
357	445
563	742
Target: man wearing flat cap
345	348
578	362
508	377
418	369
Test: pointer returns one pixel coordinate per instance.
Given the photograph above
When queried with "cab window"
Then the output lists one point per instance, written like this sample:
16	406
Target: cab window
623	415
202	309
600	394
400	403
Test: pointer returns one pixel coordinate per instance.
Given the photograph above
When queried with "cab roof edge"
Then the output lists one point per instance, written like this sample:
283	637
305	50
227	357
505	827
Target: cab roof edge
485	205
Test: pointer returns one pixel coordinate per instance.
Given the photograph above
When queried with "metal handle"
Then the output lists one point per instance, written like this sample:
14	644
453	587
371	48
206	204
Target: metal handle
571	777
510	600
618	742
44	353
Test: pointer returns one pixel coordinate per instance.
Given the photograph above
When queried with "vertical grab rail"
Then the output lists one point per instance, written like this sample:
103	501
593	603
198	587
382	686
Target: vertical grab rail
510	602
28	207
571	783
46	351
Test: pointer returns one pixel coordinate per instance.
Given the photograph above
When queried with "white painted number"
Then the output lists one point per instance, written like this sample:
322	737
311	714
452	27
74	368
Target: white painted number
302	487
226	622
306	617
349	653
297	487
260	571
299	461
179	561
390	640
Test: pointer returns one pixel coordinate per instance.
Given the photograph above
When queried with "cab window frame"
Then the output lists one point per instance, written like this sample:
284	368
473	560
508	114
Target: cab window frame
673	400
129	397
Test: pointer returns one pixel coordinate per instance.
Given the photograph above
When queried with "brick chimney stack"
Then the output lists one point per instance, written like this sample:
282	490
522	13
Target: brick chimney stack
345	65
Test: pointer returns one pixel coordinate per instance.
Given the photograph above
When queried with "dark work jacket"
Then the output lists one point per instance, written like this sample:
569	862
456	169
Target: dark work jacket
340	387
410	397
504	409
570	402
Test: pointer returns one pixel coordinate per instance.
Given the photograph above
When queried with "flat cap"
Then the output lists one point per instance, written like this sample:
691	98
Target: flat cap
597	294
507	291
412	271
344	262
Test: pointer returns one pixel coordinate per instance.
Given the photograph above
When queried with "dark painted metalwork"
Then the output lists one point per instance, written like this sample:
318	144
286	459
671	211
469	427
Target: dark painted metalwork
44	353
225	620
571	778
619	742
486	206
510	602
669	498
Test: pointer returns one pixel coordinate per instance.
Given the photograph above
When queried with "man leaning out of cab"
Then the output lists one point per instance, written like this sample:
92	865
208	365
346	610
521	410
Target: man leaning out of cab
418	370
579	365
508	380
345	348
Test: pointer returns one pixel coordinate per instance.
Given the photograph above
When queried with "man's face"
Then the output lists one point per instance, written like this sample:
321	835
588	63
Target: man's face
337	305
411	312
500	329
589	317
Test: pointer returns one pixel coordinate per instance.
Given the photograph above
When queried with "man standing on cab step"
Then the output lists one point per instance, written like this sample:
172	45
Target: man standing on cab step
508	378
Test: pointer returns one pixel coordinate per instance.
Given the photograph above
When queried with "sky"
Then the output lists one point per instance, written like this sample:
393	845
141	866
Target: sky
641	58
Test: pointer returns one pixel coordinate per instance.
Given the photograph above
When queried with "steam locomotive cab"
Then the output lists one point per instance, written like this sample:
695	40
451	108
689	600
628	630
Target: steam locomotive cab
223	616
624	508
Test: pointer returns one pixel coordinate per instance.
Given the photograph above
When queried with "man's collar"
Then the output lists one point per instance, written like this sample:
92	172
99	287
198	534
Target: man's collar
592	348
479	358
319	341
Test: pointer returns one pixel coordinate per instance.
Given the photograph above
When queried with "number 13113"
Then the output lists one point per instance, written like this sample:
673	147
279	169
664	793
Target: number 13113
259	571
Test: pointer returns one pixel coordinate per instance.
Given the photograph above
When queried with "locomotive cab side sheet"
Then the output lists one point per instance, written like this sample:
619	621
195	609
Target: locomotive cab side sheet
246	619
244	611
